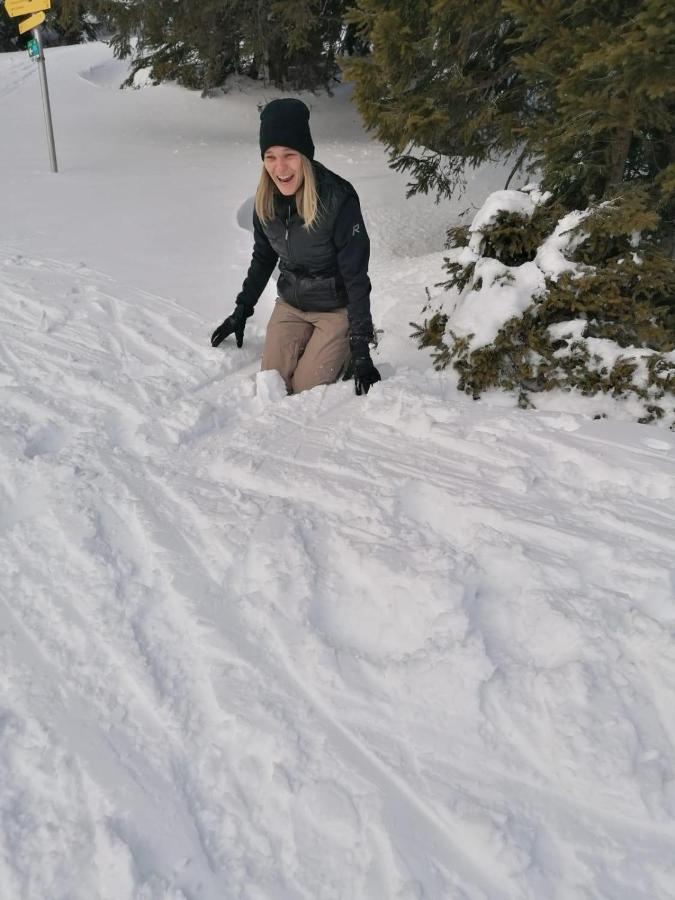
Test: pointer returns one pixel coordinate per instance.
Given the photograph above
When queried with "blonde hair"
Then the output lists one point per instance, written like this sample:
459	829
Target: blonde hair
307	198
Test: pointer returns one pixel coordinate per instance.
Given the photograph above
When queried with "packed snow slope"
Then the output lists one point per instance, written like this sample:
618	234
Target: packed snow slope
316	647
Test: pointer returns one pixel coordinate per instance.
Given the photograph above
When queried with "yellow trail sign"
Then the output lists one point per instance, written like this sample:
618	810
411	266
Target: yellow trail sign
31	22
25	7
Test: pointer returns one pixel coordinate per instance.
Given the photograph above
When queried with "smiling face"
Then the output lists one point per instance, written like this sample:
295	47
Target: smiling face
284	166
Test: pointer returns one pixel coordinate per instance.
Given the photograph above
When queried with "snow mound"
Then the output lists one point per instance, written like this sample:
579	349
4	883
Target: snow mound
109	74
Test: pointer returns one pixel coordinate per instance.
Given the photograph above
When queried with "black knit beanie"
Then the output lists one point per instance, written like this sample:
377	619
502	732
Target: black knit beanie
285	123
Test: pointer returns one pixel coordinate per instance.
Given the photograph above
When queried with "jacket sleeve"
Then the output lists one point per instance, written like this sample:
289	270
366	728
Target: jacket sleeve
263	261
353	254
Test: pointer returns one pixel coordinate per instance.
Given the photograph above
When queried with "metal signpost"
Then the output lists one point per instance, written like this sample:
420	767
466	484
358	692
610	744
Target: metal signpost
34	9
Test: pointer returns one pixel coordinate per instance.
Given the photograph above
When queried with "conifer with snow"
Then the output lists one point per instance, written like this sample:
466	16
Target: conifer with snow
198	43
583	95
581	302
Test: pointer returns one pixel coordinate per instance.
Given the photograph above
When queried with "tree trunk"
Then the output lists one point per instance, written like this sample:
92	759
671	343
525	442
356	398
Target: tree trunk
618	155
264	50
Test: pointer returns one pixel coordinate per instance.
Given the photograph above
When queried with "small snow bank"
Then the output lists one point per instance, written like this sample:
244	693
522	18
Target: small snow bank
109	74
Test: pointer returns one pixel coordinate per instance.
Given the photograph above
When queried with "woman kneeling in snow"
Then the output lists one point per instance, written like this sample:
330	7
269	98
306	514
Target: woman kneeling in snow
309	219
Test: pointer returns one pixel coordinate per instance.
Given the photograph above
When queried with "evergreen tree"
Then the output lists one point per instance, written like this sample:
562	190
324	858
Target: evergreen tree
194	42
67	22
581	90
289	43
621	291
9	34
602	77
441	87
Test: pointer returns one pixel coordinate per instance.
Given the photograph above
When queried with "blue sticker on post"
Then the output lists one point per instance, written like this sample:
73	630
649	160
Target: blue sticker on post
33	48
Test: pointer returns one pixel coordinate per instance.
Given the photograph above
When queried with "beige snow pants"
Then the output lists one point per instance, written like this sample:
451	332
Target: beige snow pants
306	348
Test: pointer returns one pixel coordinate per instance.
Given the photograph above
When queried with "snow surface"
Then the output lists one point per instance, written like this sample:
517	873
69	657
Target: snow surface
257	646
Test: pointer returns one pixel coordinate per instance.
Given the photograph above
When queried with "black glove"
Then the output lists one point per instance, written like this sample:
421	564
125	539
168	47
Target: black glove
233	324
365	373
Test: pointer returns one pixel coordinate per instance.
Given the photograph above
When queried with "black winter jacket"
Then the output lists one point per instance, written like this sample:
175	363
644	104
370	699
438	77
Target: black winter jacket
319	270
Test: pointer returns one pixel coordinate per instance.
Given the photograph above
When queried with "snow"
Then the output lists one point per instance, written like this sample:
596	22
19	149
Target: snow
324	646
570	330
497	294
553	255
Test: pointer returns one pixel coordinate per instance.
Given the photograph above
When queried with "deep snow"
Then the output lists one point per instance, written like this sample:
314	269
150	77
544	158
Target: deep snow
402	646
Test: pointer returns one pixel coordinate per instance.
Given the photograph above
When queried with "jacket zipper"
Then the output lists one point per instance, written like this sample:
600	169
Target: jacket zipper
288	250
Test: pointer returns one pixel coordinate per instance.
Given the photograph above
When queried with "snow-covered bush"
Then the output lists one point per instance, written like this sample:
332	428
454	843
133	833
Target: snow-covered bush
541	300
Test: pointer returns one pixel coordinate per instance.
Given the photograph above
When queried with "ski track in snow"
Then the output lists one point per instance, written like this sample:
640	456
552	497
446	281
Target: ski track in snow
18	72
326	647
